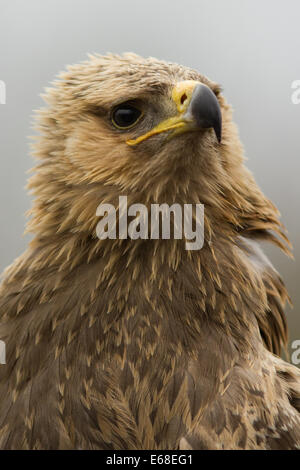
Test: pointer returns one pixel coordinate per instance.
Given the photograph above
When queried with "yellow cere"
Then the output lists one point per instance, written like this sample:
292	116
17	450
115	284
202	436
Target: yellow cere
181	95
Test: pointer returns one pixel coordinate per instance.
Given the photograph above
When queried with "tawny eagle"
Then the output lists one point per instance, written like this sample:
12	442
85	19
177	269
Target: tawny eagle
140	343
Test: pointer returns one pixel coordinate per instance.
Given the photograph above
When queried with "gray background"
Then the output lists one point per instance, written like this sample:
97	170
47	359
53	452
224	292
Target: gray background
251	47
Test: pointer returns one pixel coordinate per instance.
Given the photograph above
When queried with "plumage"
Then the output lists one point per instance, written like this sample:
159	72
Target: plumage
142	344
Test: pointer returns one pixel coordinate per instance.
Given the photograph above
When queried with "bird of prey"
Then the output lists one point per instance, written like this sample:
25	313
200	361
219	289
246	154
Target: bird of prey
140	343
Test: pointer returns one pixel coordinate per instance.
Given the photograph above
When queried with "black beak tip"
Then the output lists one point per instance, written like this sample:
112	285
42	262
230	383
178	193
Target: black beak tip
205	109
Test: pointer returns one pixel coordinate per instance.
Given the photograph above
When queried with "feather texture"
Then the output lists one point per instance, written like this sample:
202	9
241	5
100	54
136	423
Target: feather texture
141	344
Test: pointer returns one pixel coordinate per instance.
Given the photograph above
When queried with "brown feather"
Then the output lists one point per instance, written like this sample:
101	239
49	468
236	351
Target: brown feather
122	344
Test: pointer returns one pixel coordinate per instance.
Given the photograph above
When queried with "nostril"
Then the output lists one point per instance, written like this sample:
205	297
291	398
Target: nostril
183	98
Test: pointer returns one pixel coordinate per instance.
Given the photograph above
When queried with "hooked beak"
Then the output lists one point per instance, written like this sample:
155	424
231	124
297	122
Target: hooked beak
198	108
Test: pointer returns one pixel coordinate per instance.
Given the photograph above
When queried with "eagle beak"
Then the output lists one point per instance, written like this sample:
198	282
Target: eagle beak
198	108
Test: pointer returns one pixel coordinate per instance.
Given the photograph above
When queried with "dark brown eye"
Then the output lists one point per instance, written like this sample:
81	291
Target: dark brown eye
125	116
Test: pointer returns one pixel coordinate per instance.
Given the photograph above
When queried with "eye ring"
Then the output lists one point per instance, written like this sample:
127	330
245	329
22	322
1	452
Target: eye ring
125	116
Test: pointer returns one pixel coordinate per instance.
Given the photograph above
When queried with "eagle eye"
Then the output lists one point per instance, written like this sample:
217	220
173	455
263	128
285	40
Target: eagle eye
125	116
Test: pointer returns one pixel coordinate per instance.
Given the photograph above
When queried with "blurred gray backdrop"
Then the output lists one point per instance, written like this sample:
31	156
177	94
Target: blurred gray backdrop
252	47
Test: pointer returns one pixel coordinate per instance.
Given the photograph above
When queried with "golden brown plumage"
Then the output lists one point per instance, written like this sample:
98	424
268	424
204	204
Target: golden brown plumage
138	344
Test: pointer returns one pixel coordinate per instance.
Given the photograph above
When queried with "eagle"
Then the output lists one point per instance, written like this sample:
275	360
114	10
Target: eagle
131	344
